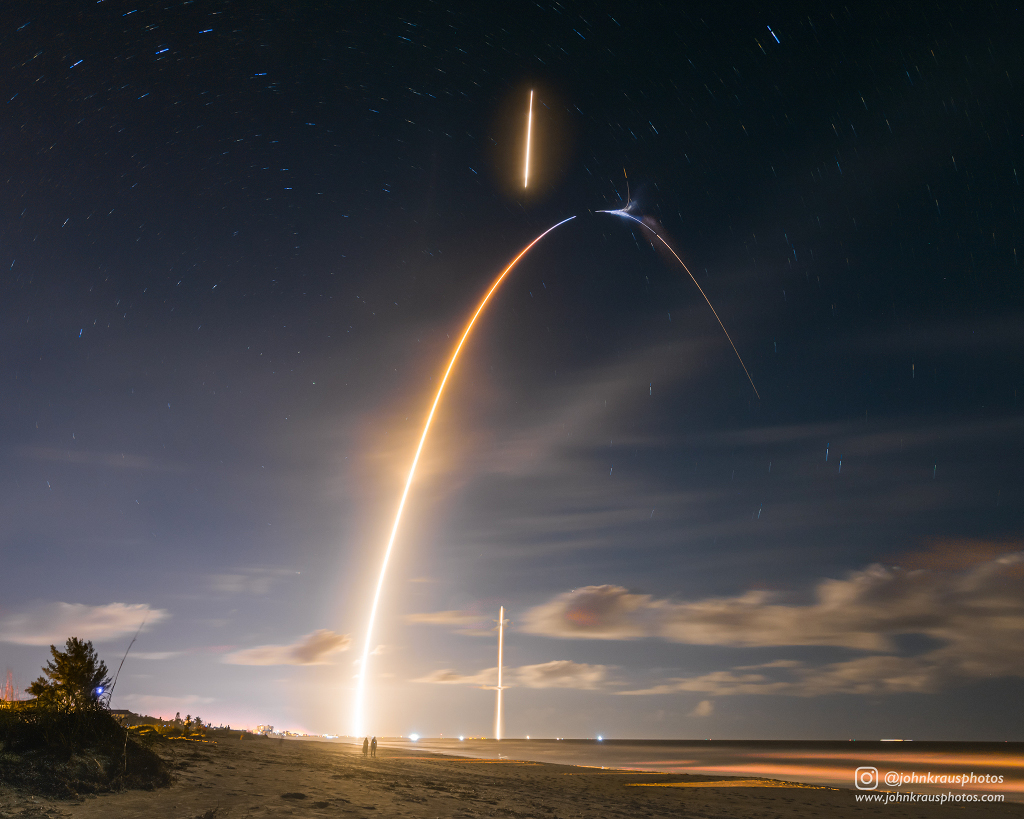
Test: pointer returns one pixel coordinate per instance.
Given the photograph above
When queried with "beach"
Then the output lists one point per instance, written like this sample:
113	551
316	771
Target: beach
268	777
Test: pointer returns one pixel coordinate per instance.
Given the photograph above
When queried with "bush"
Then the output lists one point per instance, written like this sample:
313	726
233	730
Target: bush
74	680
68	753
65	741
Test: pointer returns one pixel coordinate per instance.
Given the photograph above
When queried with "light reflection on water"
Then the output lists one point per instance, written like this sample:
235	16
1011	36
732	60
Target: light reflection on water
810	762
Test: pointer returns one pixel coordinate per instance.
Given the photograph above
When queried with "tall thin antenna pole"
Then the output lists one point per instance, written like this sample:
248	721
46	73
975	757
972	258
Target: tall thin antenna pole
113	685
501	640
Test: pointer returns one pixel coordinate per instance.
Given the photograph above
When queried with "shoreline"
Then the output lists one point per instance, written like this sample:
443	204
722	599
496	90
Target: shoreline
829	763
269	777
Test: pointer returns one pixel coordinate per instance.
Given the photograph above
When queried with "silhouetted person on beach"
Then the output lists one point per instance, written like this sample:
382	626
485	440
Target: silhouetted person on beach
366	745
373	747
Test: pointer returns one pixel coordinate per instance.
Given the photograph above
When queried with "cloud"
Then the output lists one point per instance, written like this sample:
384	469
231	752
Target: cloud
248	581
117	460
554	674
313	649
558	493
877	674
461	622
445	618
488	678
975	616
772	664
53	623
596	612
155	655
704	708
561	674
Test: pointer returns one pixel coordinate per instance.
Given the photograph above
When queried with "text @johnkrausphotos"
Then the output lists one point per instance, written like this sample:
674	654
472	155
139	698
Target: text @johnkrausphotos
866	778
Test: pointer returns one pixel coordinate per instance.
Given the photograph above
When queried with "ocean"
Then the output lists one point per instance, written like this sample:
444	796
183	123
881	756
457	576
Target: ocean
922	767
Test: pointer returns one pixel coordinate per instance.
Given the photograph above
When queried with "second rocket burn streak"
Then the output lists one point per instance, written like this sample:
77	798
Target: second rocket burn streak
529	129
361	686
623	212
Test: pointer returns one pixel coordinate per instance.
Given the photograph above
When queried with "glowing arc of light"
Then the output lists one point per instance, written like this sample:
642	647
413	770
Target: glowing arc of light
529	129
361	685
501	641
623	212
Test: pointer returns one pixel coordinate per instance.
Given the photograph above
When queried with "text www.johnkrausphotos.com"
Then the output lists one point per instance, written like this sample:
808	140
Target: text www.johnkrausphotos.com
942	798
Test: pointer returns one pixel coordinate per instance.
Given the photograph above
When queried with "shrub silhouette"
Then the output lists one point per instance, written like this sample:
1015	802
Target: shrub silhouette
65	741
77	678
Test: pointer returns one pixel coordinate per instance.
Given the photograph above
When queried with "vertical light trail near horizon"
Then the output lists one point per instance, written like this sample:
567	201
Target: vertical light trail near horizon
694	280
501	641
529	129
361	685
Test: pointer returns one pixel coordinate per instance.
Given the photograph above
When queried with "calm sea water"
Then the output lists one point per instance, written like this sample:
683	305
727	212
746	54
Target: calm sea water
810	762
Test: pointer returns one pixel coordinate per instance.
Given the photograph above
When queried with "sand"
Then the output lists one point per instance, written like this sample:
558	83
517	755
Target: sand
258	777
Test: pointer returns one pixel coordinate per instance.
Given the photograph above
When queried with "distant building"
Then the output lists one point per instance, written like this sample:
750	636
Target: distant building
264	729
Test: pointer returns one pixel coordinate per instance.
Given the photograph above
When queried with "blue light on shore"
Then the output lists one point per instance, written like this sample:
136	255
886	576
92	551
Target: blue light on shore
600	738
414	737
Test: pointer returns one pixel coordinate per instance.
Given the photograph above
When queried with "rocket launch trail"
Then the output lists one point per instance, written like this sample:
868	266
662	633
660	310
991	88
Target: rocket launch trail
359	722
529	129
501	661
623	212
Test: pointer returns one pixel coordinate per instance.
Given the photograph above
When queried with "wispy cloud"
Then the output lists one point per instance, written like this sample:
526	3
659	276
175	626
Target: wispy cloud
313	649
704	708
874	675
255	580
569	478
976	616
115	460
446	618
554	674
461	622
53	623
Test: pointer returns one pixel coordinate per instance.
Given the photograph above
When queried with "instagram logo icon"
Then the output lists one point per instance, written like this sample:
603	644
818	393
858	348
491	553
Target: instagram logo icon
866	778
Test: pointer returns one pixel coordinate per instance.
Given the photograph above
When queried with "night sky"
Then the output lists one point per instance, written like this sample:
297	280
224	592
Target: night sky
238	241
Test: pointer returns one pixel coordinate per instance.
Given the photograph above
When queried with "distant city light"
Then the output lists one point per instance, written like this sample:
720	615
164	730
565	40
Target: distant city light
599	738
414	737
462	739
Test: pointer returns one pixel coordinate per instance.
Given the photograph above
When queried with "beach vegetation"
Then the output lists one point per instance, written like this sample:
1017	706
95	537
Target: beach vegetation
74	680
65	741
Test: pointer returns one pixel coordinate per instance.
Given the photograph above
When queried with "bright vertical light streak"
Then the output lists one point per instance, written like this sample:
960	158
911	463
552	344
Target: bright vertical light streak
361	685
529	129
501	641
688	273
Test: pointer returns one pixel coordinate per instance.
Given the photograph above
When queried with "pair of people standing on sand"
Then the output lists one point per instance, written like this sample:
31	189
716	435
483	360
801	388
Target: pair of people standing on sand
371	746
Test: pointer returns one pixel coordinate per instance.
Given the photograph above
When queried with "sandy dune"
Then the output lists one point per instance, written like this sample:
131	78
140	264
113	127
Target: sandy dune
274	777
